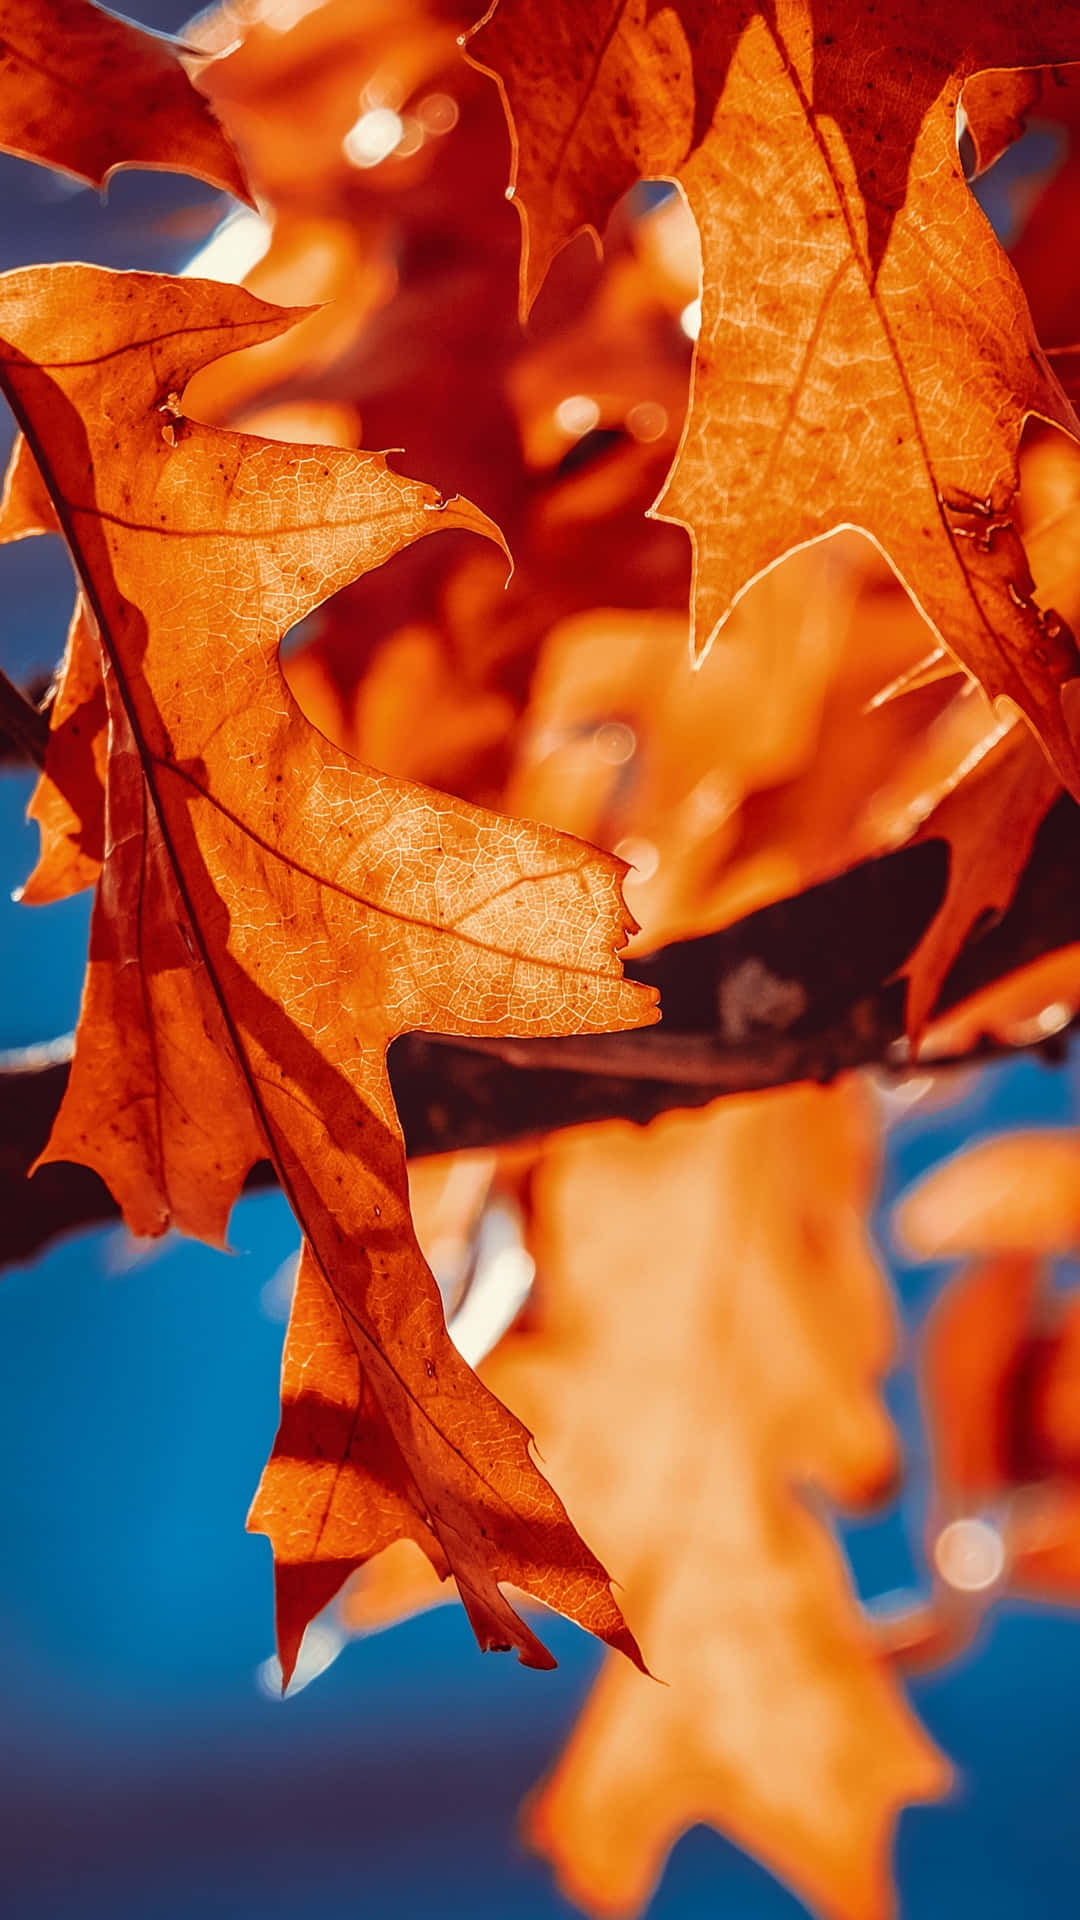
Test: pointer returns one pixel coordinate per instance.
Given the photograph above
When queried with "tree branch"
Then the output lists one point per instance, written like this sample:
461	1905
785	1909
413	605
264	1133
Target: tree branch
803	990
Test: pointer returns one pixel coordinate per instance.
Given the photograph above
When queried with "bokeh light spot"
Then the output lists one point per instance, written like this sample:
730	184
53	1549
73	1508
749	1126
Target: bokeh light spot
690	319
373	137
438	113
969	1555
647	421
577	414
615	743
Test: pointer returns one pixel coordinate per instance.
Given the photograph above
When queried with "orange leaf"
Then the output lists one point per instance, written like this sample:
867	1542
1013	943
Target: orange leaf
88	93
1050	273
26	507
989	818
1018	1193
271	915
700	1363
1034	1003
973	1340
865	356
996	107
1000	1367
68	802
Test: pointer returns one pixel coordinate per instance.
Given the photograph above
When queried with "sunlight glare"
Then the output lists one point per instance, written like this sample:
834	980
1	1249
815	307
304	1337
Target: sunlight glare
438	113
232	249
647	421
322	1643
492	1303
615	743
970	1555
276	1295
578	414
641	856
690	319
373	137
1042	1026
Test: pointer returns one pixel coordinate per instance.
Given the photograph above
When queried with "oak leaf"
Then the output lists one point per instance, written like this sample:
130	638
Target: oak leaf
1015	1193
271	915
976	1331
1000	1367
422	247
995	109
992	803
68	802
720	1258
626	745
990	817
761	772
1001	1355
865	354
1048	272
1033	1004
418	256
88	93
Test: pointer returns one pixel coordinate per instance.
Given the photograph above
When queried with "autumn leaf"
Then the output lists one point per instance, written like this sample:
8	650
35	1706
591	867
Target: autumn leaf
270	915
971	1348
1000	1366
625	744
1048	272
88	93
702	1351
995	108
1001	1358
431	234
1017	1193
417	259
720	1259
68	802
992	803
1034	1004
865	354
989	817
699	1361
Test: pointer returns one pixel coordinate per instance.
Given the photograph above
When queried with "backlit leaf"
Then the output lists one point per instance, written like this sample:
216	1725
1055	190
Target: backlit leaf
270	915
87	92
865	354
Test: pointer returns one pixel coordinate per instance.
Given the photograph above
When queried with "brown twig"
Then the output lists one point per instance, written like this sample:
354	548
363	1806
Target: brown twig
804	990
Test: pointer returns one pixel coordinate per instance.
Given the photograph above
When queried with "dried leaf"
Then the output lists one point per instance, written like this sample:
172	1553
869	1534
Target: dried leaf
26	508
70	815
700	1363
68	802
1019	1192
989	818
973	1338
270	915
1000	1368
1035	1003
996	108
818	156
88	93
1048	271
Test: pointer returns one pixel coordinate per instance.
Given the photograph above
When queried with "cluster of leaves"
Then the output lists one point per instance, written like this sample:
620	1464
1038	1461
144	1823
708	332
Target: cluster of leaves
399	828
